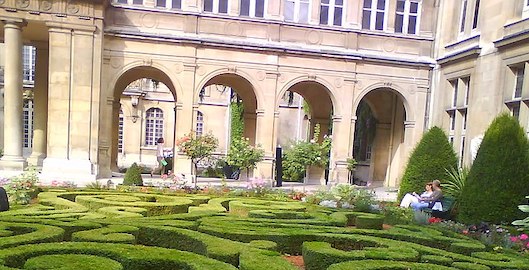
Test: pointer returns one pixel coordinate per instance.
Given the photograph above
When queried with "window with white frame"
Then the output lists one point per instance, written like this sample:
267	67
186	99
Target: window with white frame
519	73
407	16
252	8
463	16
462	151
466	83
475	20
452	117
28	123
29	58
200	124
216	6
525	12
169	4
515	103
374	14
455	86
120	130
153	126
296	11
331	12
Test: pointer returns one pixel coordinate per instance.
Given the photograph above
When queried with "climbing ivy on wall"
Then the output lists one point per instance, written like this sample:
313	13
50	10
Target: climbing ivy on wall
237	121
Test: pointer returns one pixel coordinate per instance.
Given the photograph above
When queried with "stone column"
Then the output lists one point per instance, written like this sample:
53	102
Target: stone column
40	102
13	159
409	144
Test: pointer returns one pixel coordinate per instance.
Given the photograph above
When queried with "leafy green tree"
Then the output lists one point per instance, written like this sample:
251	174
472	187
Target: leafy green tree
499	178
243	155
197	148
133	176
303	154
237	120
430	160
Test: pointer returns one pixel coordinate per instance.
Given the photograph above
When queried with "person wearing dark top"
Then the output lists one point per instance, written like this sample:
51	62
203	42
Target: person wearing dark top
430	201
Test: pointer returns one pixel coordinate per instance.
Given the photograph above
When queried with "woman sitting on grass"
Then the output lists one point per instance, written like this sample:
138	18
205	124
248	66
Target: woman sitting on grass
414	197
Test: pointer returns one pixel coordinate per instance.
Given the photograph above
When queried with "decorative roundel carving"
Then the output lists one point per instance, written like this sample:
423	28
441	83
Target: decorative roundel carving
73	9
233	29
389	45
261	75
45	5
313	37
179	67
22	3
411	90
149	20
2	2
338	82
358	84
201	71
115	62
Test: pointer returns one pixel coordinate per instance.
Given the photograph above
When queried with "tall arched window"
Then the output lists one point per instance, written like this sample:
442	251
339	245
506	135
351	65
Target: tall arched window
200	124
153	126
120	131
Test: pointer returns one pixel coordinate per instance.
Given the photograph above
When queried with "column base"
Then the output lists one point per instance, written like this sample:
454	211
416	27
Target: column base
13	163
340	174
80	172
264	169
36	159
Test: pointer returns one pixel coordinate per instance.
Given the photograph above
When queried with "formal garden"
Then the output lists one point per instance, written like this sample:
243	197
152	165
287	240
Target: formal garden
185	227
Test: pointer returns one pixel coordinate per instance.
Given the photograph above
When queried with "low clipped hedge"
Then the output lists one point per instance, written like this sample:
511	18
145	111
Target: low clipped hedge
122	212
27	233
112	234
386	265
72	261
132	257
263	260
243	207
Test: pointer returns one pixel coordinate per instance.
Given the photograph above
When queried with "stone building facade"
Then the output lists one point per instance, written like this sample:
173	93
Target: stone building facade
336	54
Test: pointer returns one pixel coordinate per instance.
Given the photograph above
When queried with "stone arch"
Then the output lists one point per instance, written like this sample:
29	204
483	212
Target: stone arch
154	70
222	75
394	88
325	84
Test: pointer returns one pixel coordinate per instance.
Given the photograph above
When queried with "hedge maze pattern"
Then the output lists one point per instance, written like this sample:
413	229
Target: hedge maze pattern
109	230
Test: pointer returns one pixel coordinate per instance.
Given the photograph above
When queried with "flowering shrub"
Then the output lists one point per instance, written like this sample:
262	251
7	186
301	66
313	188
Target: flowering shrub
243	155
495	236
257	187
521	242
21	189
434	220
197	148
63	184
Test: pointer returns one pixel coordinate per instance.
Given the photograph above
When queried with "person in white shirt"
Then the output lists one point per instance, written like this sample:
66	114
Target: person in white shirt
410	198
159	157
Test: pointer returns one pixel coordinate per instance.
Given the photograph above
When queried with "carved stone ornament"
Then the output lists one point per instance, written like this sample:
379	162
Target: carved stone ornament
22	3
2	2
261	75
45	5
73	9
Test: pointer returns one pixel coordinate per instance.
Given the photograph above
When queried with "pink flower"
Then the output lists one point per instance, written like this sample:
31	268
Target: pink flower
524	237
514	238
527	245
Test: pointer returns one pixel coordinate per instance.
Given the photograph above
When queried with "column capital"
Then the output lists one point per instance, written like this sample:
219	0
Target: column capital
353	119
337	118
409	124
13	22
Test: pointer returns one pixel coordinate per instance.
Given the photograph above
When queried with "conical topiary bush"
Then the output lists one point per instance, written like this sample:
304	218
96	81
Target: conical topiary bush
133	176
430	160
499	178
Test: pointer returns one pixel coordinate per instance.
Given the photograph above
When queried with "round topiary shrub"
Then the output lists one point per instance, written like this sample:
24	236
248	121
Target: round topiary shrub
133	176
429	161
498	180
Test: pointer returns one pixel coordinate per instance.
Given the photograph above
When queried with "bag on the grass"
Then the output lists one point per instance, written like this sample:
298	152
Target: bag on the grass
163	162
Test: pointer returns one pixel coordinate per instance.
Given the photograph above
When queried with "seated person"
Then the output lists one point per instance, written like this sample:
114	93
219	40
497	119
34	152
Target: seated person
429	202
414	197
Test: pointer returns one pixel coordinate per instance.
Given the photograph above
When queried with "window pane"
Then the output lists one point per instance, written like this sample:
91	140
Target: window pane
259	8
303	12
324	15
122	1
338	16
476	15
398	23
519	82
289	11
177	4
366	19
463	16
160	3
245	7
414	7
325	1
400	6
379	24
381	4
412	24
367	3
223	6
338	2
208	5
137	2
